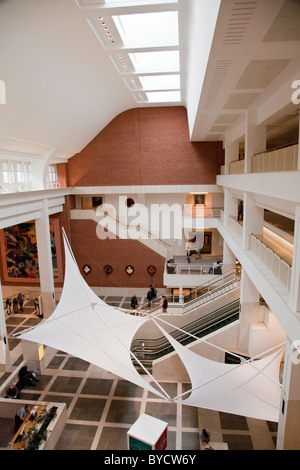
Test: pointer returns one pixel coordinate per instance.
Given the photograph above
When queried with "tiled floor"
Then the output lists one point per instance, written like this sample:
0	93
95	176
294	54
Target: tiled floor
102	407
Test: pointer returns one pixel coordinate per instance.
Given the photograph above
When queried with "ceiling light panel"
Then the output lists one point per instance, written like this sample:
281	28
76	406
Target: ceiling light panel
148	29
106	32
122	62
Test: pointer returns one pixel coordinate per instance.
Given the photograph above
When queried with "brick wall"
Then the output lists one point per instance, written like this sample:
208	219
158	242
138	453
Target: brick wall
89	249
146	146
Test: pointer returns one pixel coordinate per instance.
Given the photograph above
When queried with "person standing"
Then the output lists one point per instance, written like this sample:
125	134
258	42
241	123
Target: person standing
15	305
8	306
21	416
134	301
154	291
21	301
149	297
240	211
165	304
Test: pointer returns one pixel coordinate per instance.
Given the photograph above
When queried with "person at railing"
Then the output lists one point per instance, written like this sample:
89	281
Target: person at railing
216	268
21	301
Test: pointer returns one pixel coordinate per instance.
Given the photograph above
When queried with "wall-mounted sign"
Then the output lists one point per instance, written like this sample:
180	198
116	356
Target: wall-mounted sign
151	270
108	269
86	269
129	270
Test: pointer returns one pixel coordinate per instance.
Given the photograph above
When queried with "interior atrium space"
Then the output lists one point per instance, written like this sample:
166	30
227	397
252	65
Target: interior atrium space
150	225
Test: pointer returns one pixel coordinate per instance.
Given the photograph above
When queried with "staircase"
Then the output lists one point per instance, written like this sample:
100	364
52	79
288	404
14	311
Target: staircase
199	296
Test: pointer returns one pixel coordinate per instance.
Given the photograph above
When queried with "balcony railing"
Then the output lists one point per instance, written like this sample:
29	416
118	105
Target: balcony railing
271	260
235	226
193	269
279	159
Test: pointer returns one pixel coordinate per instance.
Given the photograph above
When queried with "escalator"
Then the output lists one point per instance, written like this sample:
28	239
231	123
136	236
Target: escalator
148	350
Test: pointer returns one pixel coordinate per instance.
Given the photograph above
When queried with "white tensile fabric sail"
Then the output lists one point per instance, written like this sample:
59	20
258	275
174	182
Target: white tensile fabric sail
248	389
86	327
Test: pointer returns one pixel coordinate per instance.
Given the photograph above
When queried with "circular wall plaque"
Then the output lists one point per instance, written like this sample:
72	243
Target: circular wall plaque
108	269
129	270
151	270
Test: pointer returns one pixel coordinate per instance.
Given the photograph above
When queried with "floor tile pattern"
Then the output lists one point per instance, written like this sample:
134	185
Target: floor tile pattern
102	407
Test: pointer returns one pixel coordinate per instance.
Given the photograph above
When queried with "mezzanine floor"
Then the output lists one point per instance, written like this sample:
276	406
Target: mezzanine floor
102	407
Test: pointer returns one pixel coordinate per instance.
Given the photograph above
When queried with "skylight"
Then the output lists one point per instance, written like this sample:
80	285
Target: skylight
160	82
144	47
158	61
137	2
148	29
163	96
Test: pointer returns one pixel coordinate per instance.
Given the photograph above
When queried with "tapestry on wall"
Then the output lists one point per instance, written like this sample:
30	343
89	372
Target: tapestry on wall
20	253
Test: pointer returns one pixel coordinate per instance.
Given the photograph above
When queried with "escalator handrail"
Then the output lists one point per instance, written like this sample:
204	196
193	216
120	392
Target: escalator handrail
230	307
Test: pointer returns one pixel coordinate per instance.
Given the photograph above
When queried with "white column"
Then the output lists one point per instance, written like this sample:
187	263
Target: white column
45	261
230	206
255	139
33	352
288	434
299	141
250	310
231	152
4	349
253	219
229	259
295	276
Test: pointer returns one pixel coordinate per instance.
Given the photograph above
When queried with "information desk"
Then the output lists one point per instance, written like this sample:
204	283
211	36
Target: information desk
147	433
15	444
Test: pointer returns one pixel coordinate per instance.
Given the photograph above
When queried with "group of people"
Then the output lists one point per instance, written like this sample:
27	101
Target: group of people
17	304
151	295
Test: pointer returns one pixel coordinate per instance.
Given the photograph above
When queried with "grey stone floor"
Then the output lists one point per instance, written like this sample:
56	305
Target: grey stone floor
102	407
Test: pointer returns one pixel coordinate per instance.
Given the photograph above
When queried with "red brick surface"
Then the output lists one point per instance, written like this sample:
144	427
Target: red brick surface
89	249
146	146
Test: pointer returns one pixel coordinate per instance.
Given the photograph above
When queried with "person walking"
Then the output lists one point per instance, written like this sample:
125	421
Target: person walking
165	304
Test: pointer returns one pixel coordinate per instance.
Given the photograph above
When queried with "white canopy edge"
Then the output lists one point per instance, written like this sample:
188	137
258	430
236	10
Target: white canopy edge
85	326
250	389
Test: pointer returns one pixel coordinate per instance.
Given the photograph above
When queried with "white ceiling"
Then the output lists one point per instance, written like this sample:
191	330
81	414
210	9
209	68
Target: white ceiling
63	87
